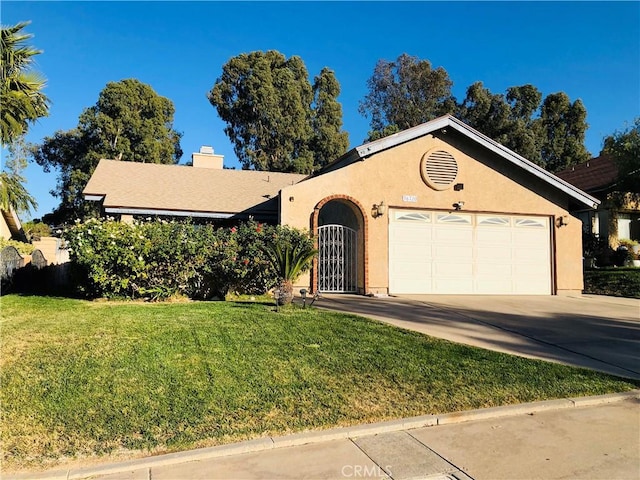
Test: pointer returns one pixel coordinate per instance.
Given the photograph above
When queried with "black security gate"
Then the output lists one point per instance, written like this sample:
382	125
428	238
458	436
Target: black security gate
337	259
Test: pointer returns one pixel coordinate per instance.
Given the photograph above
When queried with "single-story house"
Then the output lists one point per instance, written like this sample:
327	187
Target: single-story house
618	215
439	208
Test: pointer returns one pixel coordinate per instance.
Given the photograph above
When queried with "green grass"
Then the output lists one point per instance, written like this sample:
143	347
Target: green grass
83	379
618	282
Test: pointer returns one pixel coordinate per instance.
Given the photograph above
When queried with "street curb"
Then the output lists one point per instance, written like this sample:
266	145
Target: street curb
320	436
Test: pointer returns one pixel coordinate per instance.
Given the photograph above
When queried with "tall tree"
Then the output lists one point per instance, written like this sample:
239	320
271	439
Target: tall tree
508	119
21	95
624	147
487	112
525	137
329	141
408	92
405	93
266	101
129	122
13	194
563	125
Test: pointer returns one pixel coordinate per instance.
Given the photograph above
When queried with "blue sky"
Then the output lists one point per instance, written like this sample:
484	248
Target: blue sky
590	50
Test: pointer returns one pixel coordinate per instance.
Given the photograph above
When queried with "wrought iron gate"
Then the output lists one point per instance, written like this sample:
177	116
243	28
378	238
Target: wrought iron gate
337	259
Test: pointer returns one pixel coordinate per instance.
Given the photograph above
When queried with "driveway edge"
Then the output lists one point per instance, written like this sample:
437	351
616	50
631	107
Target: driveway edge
340	433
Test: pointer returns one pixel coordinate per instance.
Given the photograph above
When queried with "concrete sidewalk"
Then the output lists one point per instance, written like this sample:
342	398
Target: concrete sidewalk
583	438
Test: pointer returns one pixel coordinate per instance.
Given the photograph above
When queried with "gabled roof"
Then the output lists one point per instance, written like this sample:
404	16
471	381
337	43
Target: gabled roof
593	175
442	123
178	190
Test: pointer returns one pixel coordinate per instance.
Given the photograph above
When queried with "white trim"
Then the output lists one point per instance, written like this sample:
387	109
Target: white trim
377	146
94	198
174	213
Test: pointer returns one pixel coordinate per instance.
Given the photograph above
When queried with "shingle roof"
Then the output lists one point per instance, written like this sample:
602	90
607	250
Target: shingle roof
177	188
594	175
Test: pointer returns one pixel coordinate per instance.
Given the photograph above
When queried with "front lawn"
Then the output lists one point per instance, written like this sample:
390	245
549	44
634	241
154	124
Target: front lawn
83	379
618	282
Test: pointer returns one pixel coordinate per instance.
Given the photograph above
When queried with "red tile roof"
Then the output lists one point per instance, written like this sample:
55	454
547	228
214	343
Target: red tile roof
593	175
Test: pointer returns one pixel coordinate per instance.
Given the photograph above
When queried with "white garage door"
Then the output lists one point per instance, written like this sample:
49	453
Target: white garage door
461	253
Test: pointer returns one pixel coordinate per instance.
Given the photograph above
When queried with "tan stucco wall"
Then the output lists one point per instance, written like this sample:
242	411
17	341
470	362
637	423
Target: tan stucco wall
4	229
389	175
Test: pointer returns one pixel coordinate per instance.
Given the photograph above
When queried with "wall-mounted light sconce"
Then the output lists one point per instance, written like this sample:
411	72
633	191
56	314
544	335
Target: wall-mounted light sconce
378	210
562	221
458	205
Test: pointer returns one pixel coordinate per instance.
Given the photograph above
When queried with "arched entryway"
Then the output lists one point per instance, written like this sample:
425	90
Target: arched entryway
340	230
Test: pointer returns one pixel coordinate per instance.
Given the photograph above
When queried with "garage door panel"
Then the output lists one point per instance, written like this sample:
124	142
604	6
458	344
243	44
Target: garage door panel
490	284
489	270
451	269
453	285
530	255
493	236
453	253
493	254
466	253
457	235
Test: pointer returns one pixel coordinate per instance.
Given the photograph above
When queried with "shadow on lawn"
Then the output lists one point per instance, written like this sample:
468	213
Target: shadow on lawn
589	340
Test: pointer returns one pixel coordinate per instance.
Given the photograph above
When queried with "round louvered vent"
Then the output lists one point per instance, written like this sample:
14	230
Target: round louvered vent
439	169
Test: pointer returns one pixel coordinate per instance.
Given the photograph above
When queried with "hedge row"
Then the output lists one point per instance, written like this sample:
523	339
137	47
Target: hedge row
619	282
159	259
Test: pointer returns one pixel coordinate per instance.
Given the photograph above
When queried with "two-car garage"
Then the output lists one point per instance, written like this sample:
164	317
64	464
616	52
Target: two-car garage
457	252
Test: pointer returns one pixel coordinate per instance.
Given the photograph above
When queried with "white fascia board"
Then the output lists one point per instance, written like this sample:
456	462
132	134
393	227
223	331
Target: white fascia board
174	213
94	198
376	146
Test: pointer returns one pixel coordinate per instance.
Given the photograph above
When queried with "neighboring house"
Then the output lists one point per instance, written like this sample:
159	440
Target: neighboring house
204	190
618	216
439	208
10	226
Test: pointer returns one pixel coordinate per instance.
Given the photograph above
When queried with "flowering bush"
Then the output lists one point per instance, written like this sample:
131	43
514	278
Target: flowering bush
158	259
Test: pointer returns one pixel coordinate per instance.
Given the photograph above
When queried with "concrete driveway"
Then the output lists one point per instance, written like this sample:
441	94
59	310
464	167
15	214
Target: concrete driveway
597	332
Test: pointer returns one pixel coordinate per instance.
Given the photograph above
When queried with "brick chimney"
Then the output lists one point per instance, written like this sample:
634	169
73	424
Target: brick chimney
205	158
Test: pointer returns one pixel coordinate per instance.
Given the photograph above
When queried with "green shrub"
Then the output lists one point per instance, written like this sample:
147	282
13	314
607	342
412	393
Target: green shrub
159	259
23	248
36	230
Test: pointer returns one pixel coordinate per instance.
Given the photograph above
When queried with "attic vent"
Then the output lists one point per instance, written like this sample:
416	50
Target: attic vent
439	169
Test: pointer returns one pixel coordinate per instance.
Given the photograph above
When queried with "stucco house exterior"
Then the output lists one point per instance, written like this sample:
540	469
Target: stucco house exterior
437	209
618	215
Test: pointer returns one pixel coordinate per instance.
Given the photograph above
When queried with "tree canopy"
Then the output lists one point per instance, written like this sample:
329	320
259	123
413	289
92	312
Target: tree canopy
405	93
624	147
275	118
409	91
129	122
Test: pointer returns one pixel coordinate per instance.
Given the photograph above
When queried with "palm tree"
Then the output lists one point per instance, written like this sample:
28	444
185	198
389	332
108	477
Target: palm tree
13	195
22	102
21	93
289	261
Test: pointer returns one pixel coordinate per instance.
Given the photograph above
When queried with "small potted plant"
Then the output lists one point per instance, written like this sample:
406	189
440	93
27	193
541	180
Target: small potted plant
630	249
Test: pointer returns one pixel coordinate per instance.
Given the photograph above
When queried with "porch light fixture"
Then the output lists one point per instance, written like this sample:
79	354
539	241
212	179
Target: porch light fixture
562	221
378	210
